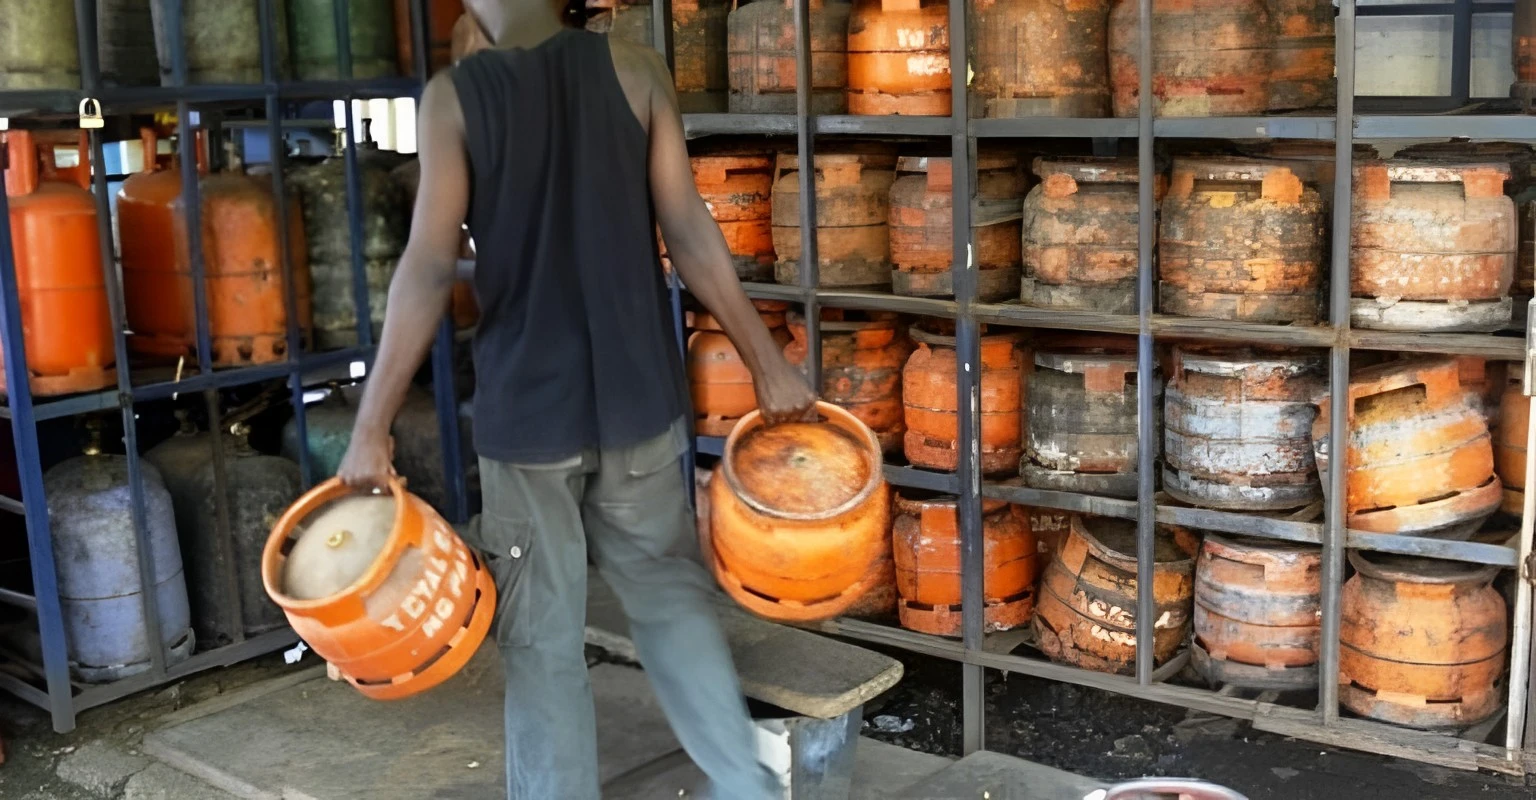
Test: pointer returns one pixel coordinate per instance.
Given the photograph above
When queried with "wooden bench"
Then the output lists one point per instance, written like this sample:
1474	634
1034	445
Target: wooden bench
821	684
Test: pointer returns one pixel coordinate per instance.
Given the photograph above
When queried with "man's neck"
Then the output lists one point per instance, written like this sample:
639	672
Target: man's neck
528	30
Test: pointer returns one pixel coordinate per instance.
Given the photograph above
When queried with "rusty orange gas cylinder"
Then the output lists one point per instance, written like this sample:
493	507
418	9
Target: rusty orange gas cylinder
761	57
1086	612
1241	239
1258	613
411	602
1239	428
247	314
1422	642
1420	456
1049	526
65	321
441	15
738	189
928	392
1081	426
922	221
853	241
800	516
1304	55
1040	58
898	58
926	542
1080	234
862	356
1509	452
719	380
1213	58
1433	246
1524	52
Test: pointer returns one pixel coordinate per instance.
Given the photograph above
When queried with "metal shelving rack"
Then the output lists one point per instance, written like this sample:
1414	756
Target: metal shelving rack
976	652
57	692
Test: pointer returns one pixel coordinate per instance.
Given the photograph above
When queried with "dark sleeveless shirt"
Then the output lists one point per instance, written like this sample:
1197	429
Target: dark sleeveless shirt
576	348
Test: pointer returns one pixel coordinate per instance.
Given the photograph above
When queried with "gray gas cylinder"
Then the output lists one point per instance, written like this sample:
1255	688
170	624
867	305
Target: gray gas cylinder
90	513
261	487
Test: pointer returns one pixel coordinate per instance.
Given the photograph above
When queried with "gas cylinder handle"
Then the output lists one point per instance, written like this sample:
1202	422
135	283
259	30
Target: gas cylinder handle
1193	789
149	142
21	176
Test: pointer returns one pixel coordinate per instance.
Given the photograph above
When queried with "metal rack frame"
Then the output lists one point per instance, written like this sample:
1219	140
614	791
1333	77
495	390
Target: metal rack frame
976	652
63	698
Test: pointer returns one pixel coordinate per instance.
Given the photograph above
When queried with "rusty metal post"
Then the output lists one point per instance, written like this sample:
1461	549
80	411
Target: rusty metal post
1146	396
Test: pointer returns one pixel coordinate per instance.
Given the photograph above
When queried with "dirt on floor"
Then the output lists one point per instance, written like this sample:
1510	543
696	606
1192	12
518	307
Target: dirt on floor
1110	736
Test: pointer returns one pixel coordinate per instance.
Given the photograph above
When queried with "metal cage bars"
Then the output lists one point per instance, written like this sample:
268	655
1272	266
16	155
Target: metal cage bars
60	696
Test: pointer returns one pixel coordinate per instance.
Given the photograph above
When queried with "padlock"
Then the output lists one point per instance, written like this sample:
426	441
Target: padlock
90	114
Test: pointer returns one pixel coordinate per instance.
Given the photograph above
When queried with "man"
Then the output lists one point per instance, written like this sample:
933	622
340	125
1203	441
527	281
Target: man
563	150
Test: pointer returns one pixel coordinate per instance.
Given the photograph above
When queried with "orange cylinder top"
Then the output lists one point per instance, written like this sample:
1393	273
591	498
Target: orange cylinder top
898	57
65	319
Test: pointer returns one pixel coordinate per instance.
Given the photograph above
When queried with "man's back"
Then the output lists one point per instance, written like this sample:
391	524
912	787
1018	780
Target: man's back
574	310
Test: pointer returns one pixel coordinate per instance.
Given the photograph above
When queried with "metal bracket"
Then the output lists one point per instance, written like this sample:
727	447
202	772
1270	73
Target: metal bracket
1530	350
1528	574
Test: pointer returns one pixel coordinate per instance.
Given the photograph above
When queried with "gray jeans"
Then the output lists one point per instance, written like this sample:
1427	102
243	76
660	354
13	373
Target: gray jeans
628	508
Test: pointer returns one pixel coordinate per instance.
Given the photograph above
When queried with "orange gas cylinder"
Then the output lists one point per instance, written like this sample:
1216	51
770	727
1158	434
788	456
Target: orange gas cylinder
1304	55
898	58
441	16
65	321
1420	457
929	394
926	543
760	48
853	239
1086	614
413	604
1509	452
247	315
861	363
1422	642
1258	612
719	380
1040	58
800	515
1213	58
922	225
738	189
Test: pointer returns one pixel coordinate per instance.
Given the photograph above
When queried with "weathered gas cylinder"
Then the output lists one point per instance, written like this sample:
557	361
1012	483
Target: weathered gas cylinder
222	40
38	49
1040	58
1239	428
761	47
926	536
246	292
1241	239
1433	246
386	209
1086	613
1304	55
125	36
410	601
898	58
1314	162
800	516
1258	613
418	444
880	598
1080	234
1524	52
629	20
1521	188
260	488
64	314
312	30
862	355
853	244
441	17
718	378
1081	430
922	225
1509	451
90	513
1213	58
929	395
1420	456
1423	642
738	189
1049	526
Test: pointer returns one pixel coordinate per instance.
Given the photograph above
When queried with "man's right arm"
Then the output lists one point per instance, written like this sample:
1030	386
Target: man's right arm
423	283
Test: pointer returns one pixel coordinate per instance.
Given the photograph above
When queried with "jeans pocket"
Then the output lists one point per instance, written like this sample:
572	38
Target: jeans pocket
507	547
